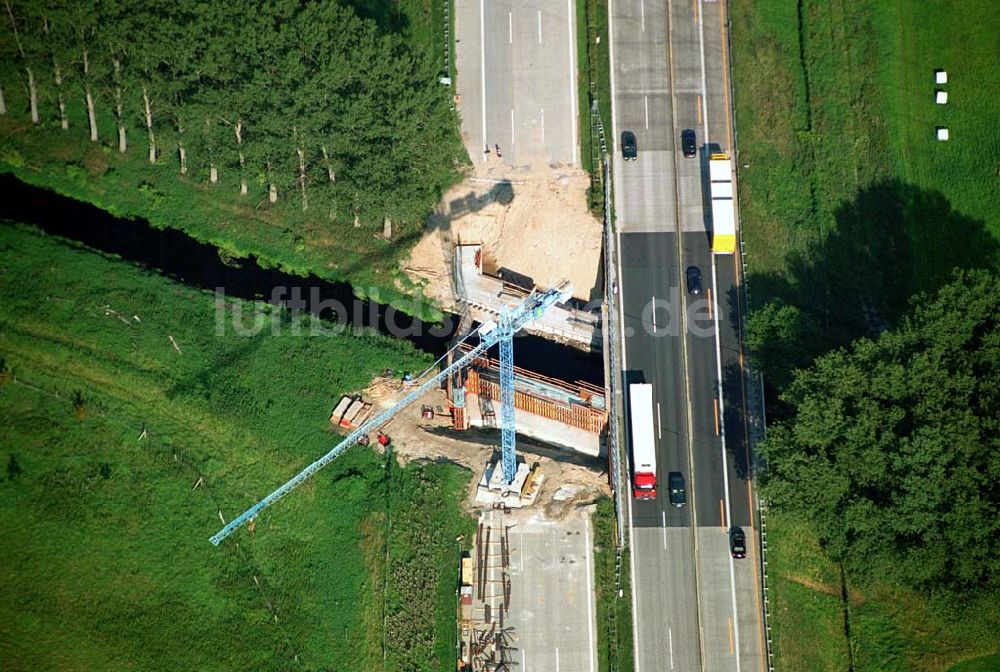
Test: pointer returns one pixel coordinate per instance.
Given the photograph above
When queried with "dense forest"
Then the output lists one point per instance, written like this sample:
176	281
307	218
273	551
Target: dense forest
892	450
287	99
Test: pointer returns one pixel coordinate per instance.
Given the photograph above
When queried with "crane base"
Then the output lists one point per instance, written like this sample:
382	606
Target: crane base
523	491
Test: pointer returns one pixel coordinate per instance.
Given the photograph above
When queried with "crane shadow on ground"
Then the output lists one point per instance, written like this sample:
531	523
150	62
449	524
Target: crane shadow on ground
526	446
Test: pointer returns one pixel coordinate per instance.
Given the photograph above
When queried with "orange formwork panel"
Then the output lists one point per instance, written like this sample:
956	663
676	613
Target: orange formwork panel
588	419
458	418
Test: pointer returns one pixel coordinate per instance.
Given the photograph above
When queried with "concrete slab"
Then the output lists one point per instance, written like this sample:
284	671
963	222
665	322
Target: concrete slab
492	491
486	299
552	594
517	80
486	413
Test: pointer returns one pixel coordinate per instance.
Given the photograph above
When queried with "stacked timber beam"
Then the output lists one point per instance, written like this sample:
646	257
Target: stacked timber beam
490	642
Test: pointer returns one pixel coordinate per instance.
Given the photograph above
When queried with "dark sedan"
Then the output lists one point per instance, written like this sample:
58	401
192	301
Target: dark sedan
689	143
737	542
630	150
693	280
678	493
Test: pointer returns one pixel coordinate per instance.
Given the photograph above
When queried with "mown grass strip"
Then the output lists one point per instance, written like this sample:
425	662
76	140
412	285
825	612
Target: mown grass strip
121	452
614	609
594	85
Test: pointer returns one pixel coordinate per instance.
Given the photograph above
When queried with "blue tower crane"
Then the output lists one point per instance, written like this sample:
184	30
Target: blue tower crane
490	334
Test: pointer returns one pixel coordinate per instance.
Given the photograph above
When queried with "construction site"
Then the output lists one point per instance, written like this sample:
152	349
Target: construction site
526	598
526	578
512	248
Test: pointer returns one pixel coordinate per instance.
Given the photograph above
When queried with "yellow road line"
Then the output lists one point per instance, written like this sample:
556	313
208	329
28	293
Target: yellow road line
715	410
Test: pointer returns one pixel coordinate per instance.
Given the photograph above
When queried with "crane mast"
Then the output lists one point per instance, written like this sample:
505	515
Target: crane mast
490	334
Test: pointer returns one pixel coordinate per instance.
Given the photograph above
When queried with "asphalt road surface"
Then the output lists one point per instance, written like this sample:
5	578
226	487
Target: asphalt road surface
517	79
695	607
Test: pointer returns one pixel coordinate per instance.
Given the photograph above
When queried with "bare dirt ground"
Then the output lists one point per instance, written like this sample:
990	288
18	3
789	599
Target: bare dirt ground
533	221
571	480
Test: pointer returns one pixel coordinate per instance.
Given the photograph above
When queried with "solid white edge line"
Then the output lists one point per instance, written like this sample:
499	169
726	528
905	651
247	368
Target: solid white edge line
725	465
482	72
718	349
591	614
574	108
704	79
635	603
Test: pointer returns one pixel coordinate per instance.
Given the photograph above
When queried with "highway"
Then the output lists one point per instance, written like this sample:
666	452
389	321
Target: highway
695	607
518	71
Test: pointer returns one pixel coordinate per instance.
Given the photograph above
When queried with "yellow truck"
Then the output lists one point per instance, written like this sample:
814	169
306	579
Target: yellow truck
720	171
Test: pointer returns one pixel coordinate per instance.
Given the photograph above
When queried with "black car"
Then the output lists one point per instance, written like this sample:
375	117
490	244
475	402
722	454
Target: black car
675	483
693	280
737	542
689	143
630	151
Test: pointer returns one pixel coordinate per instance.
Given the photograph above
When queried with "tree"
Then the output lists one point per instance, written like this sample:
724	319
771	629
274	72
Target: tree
27	51
307	98
115	34
782	338
83	19
894	448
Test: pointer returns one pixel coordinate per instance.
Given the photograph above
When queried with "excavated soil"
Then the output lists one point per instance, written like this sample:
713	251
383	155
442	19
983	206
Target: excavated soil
571	480
532	221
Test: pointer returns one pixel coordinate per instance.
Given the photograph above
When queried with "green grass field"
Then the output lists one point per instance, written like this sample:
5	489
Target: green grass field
849	206
888	630
105	562
984	664
278	235
836	118
807	616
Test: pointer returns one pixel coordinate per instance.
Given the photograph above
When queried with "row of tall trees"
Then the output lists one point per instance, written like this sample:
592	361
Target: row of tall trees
284	96
893	447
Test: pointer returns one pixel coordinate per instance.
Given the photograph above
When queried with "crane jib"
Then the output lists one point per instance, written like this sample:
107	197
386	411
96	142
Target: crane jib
512	321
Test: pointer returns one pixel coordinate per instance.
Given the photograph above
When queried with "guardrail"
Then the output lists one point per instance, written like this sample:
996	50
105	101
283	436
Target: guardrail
764	587
601	169
611	335
754	389
447	42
